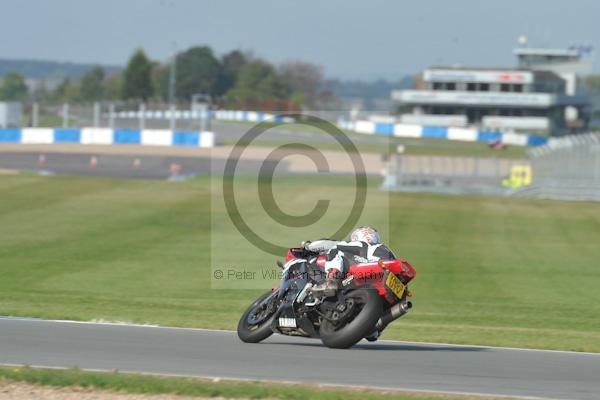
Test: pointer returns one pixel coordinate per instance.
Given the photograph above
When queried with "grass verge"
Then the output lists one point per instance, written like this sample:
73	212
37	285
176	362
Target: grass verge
149	384
491	271
385	144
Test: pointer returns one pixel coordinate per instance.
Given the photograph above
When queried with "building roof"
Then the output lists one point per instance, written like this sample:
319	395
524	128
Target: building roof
538	74
461	68
524	51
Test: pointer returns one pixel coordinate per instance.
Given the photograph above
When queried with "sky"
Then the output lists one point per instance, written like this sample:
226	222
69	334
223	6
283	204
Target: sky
367	39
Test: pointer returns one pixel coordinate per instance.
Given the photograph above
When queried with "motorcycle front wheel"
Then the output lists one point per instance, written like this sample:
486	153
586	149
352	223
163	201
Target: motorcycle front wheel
368	307
255	324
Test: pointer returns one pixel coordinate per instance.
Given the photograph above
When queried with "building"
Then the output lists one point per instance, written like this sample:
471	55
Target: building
10	114
569	63
539	96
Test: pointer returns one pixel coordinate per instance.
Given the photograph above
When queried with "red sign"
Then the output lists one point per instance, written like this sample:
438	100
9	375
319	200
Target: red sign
510	77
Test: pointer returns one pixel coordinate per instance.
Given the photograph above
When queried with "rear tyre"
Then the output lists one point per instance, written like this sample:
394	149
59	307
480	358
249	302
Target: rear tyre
255	324
363	323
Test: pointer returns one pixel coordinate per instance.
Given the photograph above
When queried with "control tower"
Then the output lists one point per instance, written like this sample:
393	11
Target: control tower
567	63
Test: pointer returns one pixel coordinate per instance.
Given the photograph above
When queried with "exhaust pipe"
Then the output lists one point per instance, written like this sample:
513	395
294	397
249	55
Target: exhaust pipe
395	312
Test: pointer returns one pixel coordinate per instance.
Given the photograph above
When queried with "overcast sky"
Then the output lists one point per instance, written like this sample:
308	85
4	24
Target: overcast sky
352	39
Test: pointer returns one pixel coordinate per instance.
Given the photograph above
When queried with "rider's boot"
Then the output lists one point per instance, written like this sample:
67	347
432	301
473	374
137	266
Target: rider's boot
373	336
330	286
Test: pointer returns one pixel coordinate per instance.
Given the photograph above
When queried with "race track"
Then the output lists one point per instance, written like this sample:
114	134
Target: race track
121	165
385	364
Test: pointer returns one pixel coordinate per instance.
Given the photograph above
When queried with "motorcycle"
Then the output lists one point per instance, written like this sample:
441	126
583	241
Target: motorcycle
370	296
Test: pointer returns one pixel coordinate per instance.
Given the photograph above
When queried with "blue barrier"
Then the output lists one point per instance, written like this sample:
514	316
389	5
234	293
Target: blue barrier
533	140
10	135
104	136
384	129
435	132
127	136
488	136
67	136
186	139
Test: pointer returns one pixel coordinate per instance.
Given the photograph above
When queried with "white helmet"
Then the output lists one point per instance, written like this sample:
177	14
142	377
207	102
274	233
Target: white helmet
365	234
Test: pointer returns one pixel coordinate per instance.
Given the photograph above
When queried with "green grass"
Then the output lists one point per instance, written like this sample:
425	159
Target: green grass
413	146
423	147
146	384
441	147
493	271
48	121
383	148
297	127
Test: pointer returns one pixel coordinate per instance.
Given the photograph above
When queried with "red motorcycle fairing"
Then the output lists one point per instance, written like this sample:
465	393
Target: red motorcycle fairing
365	284
373	273
376	273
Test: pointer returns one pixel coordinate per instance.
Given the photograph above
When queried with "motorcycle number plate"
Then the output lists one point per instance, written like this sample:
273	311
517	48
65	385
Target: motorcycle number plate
287	322
394	284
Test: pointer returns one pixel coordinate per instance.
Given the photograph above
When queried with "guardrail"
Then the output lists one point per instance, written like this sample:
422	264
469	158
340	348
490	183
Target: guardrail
440	132
107	136
400	130
223	115
566	168
359	126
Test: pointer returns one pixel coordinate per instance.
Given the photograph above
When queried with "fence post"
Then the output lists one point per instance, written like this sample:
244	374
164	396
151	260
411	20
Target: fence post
172	119
96	114
65	115
35	111
111	115
142	116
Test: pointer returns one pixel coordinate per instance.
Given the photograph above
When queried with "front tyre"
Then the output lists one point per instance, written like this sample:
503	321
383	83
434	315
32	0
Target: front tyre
360	324
255	324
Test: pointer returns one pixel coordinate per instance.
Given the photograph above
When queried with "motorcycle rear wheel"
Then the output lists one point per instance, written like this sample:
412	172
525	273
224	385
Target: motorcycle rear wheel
360	326
254	333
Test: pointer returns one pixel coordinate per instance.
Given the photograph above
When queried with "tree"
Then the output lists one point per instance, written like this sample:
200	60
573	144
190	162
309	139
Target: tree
13	87
112	87
39	92
593	83
65	91
197	71
137	78
303	79
257	82
92	85
231	64
160	80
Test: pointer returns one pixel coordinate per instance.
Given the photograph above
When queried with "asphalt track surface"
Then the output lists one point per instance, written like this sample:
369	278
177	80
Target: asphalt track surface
130	166
159	167
385	364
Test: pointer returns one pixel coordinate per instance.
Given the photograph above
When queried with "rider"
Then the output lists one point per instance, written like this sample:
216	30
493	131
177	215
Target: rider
364	246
